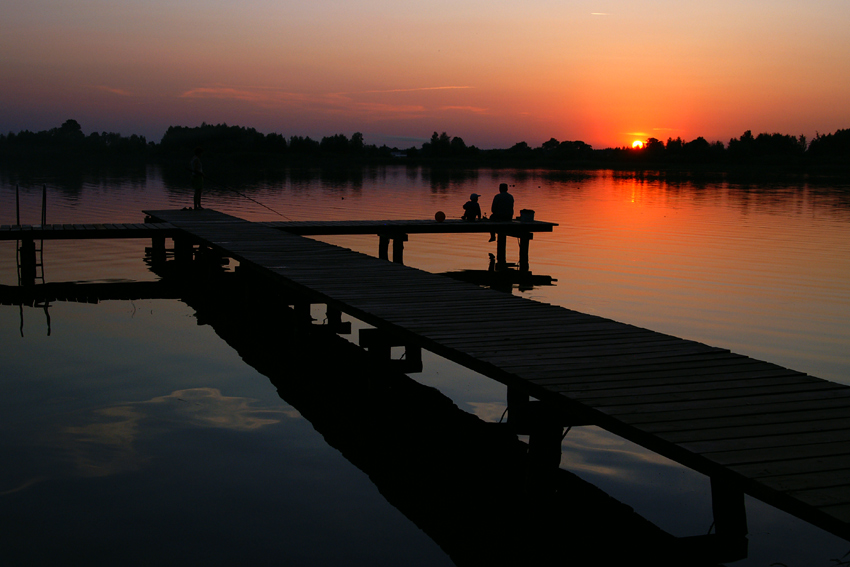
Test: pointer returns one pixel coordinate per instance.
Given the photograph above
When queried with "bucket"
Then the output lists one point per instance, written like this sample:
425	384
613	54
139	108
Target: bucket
526	215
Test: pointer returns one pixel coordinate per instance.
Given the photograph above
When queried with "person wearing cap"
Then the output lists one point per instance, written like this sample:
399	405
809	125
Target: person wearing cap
471	209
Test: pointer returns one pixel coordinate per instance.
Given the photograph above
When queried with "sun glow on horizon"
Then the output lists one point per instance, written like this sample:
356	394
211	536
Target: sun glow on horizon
637	144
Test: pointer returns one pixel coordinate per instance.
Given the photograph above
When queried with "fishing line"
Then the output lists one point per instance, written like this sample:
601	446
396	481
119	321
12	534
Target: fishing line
246	196
259	203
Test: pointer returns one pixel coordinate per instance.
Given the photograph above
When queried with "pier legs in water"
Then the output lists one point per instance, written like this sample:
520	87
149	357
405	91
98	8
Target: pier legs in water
398	247
398	241
380	343
502	245
545	433
27	262
158	254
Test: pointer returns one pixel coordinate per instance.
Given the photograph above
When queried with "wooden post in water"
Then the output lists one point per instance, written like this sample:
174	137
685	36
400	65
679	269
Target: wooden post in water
157	245
335	322
523	250
183	250
380	343
43	205
383	247
398	248
730	513
302	311
501	249
518	404
28	262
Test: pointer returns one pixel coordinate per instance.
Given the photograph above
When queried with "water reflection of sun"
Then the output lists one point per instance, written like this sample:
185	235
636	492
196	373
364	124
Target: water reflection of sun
637	144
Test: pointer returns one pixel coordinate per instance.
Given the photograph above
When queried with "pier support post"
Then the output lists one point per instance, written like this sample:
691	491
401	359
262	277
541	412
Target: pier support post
27	262
501	249
518	404
182	250
335	322
730	513
398	247
380	343
524	239
383	247
302	311
158	249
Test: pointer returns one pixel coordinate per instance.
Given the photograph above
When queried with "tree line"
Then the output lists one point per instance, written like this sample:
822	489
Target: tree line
239	143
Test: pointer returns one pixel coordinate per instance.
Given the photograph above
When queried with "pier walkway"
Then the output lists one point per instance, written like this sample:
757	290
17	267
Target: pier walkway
751	426
85	231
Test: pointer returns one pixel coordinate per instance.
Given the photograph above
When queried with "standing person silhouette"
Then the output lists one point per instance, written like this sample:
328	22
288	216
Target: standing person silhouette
197	176
502	208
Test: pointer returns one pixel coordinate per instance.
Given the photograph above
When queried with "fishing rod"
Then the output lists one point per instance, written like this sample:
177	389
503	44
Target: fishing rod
259	203
244	195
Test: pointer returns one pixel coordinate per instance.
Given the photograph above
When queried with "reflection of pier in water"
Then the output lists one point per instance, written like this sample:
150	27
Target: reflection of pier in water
479	492
502	277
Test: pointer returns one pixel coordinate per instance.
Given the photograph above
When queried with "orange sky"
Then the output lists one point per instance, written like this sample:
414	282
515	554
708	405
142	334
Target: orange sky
494	73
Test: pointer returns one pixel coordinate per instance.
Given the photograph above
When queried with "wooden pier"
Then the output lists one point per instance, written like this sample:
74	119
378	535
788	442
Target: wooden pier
29	254
751	426
397	231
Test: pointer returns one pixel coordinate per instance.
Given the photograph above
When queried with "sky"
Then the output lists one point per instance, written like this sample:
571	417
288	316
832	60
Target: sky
493	72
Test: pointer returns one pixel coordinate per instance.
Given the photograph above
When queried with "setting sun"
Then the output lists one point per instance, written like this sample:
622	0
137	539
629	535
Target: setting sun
637	144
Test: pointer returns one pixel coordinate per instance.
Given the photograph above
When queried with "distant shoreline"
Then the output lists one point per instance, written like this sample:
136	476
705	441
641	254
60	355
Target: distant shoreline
765	156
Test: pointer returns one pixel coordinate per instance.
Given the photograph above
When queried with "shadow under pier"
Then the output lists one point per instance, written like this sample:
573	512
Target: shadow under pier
470	485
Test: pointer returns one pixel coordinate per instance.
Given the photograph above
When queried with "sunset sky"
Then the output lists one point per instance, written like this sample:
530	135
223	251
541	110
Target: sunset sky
492	72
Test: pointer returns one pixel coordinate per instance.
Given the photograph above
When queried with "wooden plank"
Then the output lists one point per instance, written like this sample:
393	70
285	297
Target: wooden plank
774	437
696	431
826	406
839	400
763	470
823	497
770	454
690	405
808	480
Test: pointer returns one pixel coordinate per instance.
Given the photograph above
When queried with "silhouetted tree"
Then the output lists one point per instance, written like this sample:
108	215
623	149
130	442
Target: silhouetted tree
831	147
306	145
550	146
653	149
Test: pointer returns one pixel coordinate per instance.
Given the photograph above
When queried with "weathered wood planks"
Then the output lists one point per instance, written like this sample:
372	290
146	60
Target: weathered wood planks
781	435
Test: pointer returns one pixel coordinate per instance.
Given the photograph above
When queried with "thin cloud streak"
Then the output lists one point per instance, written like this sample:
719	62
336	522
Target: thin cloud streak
413	90
473	109
113	90
335	103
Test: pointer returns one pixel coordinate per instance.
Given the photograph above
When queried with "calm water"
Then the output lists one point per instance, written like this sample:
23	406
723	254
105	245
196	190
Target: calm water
132	430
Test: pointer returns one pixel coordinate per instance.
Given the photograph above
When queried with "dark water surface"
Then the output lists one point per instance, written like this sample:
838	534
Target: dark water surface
145	432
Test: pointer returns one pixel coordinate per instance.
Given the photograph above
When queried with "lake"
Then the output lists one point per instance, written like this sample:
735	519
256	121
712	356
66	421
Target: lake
133	432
